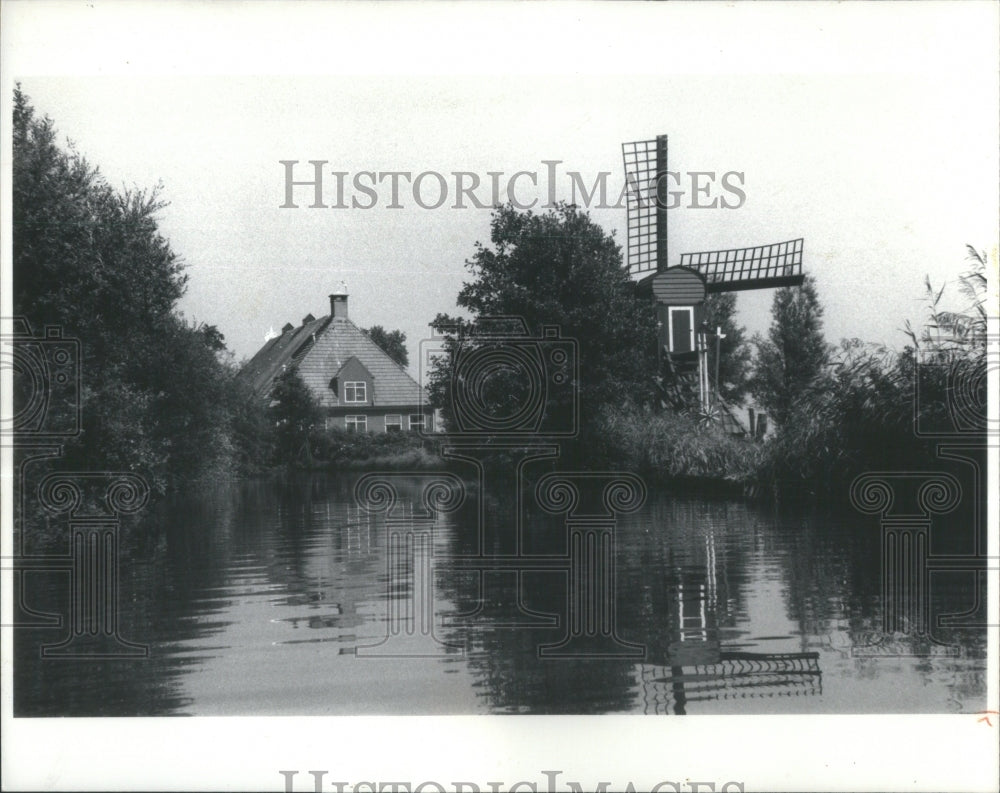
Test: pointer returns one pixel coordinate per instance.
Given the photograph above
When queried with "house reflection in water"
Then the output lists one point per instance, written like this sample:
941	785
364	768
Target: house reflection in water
689	663
317	598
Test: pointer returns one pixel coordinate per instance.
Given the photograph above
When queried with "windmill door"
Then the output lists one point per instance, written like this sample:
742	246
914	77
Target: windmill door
681	329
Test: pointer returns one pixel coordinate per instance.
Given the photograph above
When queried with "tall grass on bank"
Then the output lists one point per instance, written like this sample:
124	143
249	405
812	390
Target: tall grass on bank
857	419
864	414
671	446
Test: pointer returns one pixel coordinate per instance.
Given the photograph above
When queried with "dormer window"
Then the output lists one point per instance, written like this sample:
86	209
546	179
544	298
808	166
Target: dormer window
355	392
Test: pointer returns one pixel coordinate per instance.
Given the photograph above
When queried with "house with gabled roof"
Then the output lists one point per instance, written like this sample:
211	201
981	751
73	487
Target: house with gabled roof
357	384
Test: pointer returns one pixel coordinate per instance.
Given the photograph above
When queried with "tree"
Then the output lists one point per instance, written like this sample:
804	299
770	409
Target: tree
558	269
155	397
295	414
734	351
792	360
393	343
85	256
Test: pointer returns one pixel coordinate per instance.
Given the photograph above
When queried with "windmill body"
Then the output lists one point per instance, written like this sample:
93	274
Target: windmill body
679	291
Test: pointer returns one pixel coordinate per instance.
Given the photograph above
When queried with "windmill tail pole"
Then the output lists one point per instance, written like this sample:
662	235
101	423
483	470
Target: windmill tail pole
718	345
719	336
703	386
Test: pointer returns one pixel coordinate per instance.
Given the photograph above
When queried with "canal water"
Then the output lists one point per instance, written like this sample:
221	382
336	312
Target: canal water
286	597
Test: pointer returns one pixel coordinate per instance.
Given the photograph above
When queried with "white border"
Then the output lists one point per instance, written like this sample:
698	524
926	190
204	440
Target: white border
252	38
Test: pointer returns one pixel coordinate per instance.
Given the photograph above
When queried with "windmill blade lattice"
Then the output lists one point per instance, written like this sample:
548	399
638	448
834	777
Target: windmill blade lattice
646	203
679	293
762	267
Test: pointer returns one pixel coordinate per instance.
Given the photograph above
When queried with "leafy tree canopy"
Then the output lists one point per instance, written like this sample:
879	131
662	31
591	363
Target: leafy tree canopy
295	413
561	269
156	399
393	343
792	360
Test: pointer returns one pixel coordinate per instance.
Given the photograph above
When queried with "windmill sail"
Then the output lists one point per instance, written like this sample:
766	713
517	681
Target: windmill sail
762	267
680	292
730	675
646	203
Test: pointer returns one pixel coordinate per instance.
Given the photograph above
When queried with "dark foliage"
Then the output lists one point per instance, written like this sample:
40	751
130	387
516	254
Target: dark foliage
667	446
393	343
792	360
341	449
555	269
734	357
295	416
866	415
156	398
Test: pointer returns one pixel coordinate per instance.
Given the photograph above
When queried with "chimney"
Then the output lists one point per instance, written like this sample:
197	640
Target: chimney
338	302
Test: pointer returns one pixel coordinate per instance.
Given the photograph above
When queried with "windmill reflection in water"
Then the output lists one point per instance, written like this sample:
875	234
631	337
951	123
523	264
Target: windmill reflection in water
690	663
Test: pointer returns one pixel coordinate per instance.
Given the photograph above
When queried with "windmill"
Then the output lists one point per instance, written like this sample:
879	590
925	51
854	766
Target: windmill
679	291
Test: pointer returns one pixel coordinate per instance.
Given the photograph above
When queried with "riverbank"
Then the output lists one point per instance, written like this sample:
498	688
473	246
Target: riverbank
670	450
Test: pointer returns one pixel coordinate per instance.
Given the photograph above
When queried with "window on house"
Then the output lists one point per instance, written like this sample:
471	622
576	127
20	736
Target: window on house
416	421
393	423
355	391
356	423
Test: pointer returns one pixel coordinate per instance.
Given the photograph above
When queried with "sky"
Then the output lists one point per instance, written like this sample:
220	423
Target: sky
887	173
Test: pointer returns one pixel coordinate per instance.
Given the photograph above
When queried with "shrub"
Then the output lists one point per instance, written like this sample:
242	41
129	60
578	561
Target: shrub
671	445
341	449
861	417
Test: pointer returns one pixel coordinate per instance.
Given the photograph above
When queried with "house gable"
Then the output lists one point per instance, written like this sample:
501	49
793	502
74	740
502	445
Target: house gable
346	371
331	357
345	384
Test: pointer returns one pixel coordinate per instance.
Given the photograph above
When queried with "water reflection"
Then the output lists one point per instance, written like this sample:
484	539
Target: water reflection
695	665
290	597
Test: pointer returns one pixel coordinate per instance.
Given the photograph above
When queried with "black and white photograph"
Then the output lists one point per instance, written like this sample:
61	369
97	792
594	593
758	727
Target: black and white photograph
455	396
